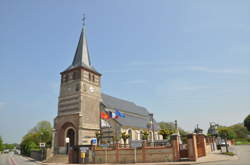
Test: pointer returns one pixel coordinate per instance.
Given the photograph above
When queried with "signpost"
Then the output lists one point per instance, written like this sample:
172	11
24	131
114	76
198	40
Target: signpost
42	146
136	144
67	142
94	141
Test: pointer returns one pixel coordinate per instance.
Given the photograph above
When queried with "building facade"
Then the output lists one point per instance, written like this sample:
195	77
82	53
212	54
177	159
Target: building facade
81	102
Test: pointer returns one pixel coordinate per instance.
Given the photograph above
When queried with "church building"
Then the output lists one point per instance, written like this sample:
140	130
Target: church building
81	103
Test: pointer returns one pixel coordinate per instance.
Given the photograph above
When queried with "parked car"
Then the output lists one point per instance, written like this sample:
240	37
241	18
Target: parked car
221	144
6	151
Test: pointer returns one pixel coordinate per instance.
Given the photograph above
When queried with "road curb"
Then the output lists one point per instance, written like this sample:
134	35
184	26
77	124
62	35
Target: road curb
29	158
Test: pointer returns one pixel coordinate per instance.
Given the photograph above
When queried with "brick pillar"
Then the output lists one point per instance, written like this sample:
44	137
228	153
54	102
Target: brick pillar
175	142
192	147
93	148
201	139
143	151
117	153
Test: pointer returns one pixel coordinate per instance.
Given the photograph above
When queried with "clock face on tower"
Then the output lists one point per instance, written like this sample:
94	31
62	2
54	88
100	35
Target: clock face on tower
91	89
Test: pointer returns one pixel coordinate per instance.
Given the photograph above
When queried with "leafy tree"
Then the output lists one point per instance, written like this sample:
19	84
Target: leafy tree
226	133
145	135
240	131
247	122
8	146
1	144
171	126
125	137
42	132
98	137
166	133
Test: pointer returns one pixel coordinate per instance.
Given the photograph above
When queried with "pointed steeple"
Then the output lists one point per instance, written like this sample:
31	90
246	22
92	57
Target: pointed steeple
82	58
82	53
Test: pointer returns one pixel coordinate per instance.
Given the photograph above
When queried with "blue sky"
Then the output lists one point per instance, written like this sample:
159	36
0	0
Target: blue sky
183	60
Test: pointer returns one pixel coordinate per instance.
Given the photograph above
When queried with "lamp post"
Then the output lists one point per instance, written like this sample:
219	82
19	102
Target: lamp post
67	143
152	125
213	132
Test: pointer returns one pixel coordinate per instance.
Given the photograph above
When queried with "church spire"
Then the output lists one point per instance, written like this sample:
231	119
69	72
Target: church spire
82	58
82	53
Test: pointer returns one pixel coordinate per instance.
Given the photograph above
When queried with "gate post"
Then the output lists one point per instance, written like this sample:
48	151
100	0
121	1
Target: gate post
202	144
192	147
175	142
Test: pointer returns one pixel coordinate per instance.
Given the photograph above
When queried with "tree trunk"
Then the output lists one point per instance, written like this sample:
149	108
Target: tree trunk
226	145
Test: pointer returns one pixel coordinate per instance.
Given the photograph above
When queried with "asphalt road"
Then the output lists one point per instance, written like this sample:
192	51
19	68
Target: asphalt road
243	152
12	159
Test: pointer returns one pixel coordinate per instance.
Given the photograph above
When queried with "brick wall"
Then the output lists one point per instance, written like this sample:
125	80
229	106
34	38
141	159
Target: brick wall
127	155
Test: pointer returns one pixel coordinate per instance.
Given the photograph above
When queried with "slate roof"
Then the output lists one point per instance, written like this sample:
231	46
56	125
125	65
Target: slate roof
81	57
136	116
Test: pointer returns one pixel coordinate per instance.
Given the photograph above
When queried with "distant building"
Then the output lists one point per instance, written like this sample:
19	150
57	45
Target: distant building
81	102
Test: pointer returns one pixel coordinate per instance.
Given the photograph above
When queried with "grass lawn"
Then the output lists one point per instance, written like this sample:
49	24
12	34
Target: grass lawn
242	142
228	153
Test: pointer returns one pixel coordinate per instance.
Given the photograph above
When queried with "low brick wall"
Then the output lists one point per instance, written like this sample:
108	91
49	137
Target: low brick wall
127	155
37	155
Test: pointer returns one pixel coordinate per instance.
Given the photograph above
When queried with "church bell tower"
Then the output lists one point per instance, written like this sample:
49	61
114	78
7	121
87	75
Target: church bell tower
78	117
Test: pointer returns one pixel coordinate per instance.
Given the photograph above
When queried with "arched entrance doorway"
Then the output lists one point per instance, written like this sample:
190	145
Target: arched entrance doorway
71	136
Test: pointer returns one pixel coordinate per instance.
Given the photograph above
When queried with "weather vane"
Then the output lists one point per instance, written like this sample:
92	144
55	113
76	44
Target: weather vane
83	20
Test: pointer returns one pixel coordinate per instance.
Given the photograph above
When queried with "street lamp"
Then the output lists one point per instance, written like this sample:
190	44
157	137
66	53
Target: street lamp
213	132
67	143
152	125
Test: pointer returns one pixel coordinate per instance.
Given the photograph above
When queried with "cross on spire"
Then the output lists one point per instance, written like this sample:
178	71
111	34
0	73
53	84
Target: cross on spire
83	20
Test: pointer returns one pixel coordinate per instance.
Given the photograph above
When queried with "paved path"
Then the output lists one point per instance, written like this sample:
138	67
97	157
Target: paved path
243	158
243	153
12	159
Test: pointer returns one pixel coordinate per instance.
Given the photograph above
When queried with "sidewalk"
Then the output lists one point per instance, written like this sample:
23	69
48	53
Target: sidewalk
211	157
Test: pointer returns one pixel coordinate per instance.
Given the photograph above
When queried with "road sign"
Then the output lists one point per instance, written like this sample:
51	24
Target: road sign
104	145
84	149
94	141
136	144
67	140
42	145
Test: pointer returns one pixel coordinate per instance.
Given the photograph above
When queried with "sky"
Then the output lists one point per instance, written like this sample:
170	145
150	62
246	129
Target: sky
183	60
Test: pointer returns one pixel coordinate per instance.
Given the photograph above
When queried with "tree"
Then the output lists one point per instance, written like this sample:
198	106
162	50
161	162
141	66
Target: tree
171	126
226	133
166	133
125	137
42	132
1	144
98	137
240	131
145	135
247	122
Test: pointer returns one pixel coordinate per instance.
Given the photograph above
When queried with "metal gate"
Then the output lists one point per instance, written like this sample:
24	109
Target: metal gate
183	151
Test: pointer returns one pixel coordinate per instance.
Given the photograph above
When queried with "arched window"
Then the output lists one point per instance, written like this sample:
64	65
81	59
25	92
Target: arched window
130	136
89	77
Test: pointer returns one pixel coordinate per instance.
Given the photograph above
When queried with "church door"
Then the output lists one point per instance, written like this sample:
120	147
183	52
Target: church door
71	136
